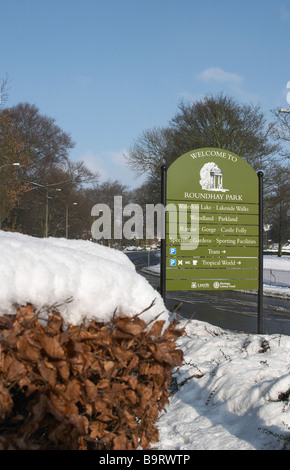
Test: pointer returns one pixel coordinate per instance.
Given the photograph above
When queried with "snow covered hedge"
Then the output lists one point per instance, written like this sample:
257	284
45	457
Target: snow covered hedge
47	271
86	347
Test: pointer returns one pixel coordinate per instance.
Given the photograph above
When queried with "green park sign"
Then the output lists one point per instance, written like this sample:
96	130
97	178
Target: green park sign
212	222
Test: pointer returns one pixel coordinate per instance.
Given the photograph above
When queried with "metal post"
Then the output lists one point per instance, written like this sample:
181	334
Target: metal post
163	234
66	218
261	267
66	221
46	215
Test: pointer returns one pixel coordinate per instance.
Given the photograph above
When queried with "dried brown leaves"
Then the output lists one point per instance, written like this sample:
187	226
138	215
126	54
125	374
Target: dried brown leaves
99	386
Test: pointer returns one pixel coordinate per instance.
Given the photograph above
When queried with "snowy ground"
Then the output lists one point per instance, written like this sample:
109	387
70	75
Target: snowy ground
232	391
276	262
280	264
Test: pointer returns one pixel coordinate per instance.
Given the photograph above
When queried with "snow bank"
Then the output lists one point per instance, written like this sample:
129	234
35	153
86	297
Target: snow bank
274	262
100	280
233	392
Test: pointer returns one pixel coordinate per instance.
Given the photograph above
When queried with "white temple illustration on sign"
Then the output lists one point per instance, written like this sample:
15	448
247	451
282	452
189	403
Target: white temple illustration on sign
211	177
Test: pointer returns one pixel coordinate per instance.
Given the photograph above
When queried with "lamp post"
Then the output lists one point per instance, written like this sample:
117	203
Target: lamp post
16	164
284	111
46	210
66	218
48	187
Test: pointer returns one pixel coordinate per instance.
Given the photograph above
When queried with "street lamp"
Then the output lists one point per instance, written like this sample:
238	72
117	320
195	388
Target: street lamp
66	218
46	210
47	197
284	111
10	164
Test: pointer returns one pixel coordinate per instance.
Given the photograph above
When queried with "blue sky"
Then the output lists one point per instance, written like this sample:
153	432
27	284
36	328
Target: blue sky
108	70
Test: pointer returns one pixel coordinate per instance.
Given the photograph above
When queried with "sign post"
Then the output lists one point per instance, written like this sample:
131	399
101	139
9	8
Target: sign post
261	267
214	224
163	235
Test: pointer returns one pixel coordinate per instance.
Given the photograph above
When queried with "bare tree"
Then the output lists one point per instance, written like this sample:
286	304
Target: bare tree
277	204
46	145
282	131
211	122
12	165
42	149
4	92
